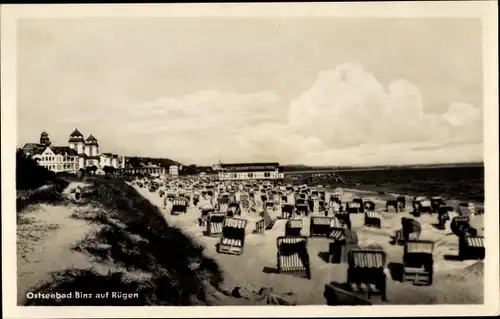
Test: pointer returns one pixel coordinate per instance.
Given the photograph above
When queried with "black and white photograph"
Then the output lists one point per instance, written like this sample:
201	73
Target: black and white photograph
250	155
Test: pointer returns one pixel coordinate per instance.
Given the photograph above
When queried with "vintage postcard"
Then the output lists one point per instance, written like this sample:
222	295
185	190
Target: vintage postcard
233	160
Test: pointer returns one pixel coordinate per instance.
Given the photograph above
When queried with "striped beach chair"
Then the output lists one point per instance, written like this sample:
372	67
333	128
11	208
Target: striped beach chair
353	207
365	274
214	224
373	219
293	257
471	247
233	236
321	226
179	206
418	262
260	227
293	227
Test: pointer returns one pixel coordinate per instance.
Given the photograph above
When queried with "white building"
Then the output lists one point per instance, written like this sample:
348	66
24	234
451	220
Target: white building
62	158
58	159
109	159
250	171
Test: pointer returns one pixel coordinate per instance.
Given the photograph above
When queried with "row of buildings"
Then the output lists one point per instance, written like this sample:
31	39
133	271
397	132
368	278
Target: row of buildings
80	153
84	152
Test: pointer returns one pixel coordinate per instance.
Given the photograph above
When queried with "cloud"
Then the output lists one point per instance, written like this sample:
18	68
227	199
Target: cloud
346	117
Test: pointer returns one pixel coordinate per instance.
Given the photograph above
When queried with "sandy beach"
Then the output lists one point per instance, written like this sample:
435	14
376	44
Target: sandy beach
256	267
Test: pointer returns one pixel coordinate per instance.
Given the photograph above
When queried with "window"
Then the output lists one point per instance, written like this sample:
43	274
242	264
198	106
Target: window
250	175
267	174
235	175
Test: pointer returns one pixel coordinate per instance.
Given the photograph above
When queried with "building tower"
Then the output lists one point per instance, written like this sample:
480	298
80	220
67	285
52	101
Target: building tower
44	139
77	142
91	146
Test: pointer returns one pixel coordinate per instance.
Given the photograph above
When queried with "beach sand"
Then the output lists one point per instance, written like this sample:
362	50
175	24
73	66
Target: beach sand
256	267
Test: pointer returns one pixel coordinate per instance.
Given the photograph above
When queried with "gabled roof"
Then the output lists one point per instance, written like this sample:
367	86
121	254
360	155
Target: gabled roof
76	133
91	138
33	145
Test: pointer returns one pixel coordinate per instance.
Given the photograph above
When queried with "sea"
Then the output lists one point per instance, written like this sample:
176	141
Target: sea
460	183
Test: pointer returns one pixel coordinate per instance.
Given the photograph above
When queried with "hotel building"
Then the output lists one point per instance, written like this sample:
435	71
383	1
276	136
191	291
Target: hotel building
250	171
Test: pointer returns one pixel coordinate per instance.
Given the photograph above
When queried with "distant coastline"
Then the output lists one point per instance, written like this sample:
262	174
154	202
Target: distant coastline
305	168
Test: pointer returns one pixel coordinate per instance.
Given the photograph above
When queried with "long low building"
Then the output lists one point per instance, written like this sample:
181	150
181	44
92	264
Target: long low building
250	171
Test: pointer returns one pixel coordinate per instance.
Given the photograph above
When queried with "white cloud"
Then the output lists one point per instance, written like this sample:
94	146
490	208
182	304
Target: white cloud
346	117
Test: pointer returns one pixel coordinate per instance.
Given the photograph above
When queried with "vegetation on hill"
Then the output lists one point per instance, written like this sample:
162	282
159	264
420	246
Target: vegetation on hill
133	238
137	161
36	184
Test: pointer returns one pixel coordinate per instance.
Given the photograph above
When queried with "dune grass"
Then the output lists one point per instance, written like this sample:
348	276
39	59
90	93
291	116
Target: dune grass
134	237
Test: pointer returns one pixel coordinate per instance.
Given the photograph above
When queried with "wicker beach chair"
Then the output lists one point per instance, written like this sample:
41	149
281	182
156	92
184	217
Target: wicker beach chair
344	217
471	247
373	219
392	203
284	199
360	202
260	227
369	205
335	198
466	209
411	230
301	207
365	274
321	226
179	206
293	227
235	208
170	196
293	257
459	225
425	206
342	240
205	211
268	220
353	207
214	224
287	211
269	204
418	262
401	201
233	236
443	216
311	206
436	203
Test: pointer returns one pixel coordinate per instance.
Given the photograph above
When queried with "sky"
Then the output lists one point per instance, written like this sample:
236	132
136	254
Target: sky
313	91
